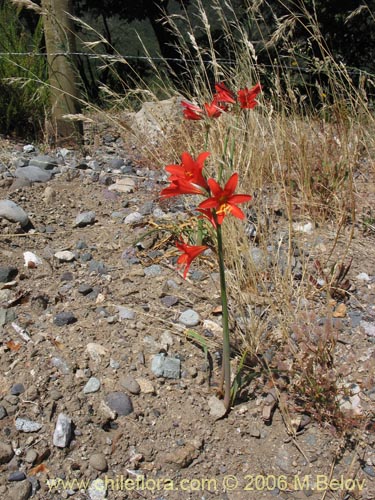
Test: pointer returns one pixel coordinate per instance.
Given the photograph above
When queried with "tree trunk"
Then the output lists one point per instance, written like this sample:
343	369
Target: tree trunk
64	91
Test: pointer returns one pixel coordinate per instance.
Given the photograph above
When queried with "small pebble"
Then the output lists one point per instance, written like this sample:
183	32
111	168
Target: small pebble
189	318
25	425
130	384
64	318
98	462
93	385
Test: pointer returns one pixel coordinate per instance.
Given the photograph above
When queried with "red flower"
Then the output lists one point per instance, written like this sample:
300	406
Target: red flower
194	112
190	252
223	94
247	96
180	186
189	170
224	201
191	111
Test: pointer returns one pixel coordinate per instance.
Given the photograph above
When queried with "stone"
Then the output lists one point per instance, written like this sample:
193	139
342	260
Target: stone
17	389
6	453
33	174
28	148
189	318
125	313
85	219
124	185
63	431
130	384
154	270
31	456
92	385
61	365
44	162
6	316
3	412
96	351
84	289
26	425
363	277
181	457
65	256
17	475
259	258
13	212
119	402
368	327
97	267
168	367
216	407
133	218
169	300
64	318
7	273
145	385
98	462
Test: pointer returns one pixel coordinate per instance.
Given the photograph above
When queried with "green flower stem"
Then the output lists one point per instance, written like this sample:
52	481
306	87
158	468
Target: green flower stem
224	304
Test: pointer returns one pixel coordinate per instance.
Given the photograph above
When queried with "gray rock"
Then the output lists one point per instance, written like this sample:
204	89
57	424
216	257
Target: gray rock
6	453
93	385
369	328
25	425
7	316
114	364
84	289
17	475
146	208
169	300
44	162
64	318
20	491
97	489
116	163
133	218
85	219
189	318
167	367
13	212
130	384
63	431
154	270
125	313
97	267
17	389
28	148
20	183
7	273
61	365
120	403
369	470
98	462
33	174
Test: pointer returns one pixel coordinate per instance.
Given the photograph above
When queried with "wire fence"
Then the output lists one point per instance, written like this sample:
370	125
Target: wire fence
352	71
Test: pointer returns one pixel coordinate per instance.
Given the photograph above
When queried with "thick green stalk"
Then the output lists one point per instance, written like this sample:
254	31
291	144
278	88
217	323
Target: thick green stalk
225	316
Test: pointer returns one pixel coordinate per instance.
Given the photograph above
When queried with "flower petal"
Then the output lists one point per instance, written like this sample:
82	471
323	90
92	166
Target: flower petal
231	185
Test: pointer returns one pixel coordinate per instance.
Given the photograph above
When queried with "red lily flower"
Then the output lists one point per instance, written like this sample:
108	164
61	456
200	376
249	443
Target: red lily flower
247	96
190	252
224	201
189	170
223	94
193	112
180	186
